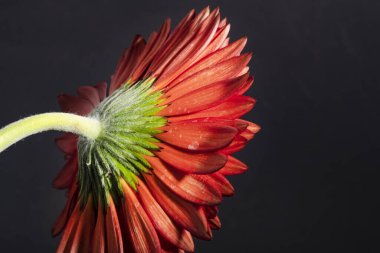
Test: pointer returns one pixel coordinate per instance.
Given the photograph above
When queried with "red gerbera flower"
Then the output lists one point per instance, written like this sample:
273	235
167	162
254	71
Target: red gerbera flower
156	173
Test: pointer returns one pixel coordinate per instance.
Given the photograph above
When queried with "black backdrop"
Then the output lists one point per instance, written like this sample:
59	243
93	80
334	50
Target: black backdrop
313	179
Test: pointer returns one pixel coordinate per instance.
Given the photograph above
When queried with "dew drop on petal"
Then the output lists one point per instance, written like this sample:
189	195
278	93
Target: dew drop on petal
193	146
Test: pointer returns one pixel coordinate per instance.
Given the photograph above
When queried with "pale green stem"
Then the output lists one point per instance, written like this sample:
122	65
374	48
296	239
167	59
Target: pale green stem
12	133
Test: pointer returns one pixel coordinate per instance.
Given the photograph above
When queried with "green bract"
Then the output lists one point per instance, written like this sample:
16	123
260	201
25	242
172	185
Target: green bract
129	121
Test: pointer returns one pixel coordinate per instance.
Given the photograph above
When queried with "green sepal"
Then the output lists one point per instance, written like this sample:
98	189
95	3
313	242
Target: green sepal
130	120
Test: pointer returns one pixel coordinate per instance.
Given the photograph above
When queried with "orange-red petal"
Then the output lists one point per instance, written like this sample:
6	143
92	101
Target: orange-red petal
204	97
222	71
194	188
233	167
187	215
113	232
143	235
161	221
68	234
199	163
224	185
85	226
231	108
201	136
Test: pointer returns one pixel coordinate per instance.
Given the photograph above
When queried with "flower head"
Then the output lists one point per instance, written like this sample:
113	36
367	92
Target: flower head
154	176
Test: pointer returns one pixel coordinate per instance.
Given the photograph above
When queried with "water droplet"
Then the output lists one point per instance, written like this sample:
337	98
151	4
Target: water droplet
193	146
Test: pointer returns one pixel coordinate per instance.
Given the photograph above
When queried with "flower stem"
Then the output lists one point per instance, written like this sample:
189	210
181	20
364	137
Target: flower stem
12	133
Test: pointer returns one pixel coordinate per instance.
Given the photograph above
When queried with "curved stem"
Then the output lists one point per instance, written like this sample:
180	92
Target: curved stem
12	133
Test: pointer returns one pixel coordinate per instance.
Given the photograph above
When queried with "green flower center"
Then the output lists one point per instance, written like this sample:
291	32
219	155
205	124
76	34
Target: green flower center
129	123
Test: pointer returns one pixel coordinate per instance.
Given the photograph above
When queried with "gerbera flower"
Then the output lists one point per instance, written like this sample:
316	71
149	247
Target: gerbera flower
149	172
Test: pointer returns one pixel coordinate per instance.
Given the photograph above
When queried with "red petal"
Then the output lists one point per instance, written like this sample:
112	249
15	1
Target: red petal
90	94
237	144
66	240
143	235
224	185
60	223
98	243
192	51
210	211
223	23
75	105
154	44
102	90
67	143
232	108
199	163
225	42
113	234
204	97
233	167
216	43
250	131
126	63
81	242
67	174
193	188
247	85
164	225
221	55
215	223
222	71
176	42
167	247
240	125
171	41
201	136
187	215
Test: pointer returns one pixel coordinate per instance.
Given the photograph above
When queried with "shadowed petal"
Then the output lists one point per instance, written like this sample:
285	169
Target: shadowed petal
161	221
113	232
215	223
67	174
67	237
237	144
143	235
189	216
81	242
60	223
67	143
194	188
98	242
126	63
224	185
233	167
90	94
75	105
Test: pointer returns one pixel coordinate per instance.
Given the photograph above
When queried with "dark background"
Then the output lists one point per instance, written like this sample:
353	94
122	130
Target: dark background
313	179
